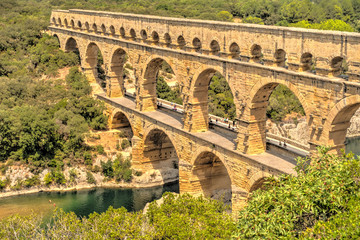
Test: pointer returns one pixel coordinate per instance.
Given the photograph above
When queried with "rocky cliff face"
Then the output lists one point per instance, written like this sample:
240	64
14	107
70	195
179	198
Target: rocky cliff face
299	131
295	131
354	129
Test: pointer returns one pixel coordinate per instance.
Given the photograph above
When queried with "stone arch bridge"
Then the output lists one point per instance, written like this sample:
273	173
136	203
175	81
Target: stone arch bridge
320	67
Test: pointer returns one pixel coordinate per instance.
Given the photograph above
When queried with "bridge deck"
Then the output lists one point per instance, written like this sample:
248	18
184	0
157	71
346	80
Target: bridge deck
283	164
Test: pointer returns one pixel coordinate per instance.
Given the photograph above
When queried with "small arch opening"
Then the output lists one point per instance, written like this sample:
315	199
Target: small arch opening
256	53
79	25
59	21
234	50
54	21
196	44
94	28
280	57
72	24
132	34
214	47
143	34
181	42
338	66
112	30
306	62
122	32
87	26
66	23
167	38
103	29
155	37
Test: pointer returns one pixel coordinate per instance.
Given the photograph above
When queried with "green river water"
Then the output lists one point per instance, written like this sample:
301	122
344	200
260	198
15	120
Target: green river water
83	202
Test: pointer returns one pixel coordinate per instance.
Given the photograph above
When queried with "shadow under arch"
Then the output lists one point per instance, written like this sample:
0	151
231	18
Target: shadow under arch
259	101
339	121
58	39
71	45
210	177
148	95
160	154
121	123
94	61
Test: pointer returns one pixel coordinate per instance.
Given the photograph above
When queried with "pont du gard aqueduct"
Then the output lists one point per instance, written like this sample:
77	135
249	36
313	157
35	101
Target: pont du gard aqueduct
322	68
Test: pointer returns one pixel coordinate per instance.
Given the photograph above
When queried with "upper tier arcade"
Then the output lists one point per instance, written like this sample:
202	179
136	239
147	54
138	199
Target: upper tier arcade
327	53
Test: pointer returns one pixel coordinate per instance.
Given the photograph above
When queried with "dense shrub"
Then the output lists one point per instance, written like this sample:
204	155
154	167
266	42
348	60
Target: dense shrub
54	176
324	187
90	178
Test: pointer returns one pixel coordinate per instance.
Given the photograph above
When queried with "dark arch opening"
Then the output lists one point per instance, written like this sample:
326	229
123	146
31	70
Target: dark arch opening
95	60
196	44
280	57
132	34
87	26
143	34
337	65
167	39
181	42
72	24
160	154
155	37
122	123
112	30
279	116
234	50
79	25
117	88
256	53
306	62
103	29
59	21
122	32
54	21
94	28
258	184
66	23
214	47
212	178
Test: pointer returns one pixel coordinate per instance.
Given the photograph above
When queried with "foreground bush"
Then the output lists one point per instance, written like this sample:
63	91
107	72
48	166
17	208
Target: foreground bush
322	191
182	217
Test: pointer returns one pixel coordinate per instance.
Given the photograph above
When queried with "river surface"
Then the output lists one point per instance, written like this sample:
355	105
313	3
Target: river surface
353	145
83	202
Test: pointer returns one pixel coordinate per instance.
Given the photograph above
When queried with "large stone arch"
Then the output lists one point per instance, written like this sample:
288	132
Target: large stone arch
115	79
90	62
147	95
71	45
160	155
197	116
256	180
254	133
120	119
210	176
338	121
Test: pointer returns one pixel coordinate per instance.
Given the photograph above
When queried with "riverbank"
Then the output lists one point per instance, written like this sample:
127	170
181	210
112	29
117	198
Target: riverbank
84	186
